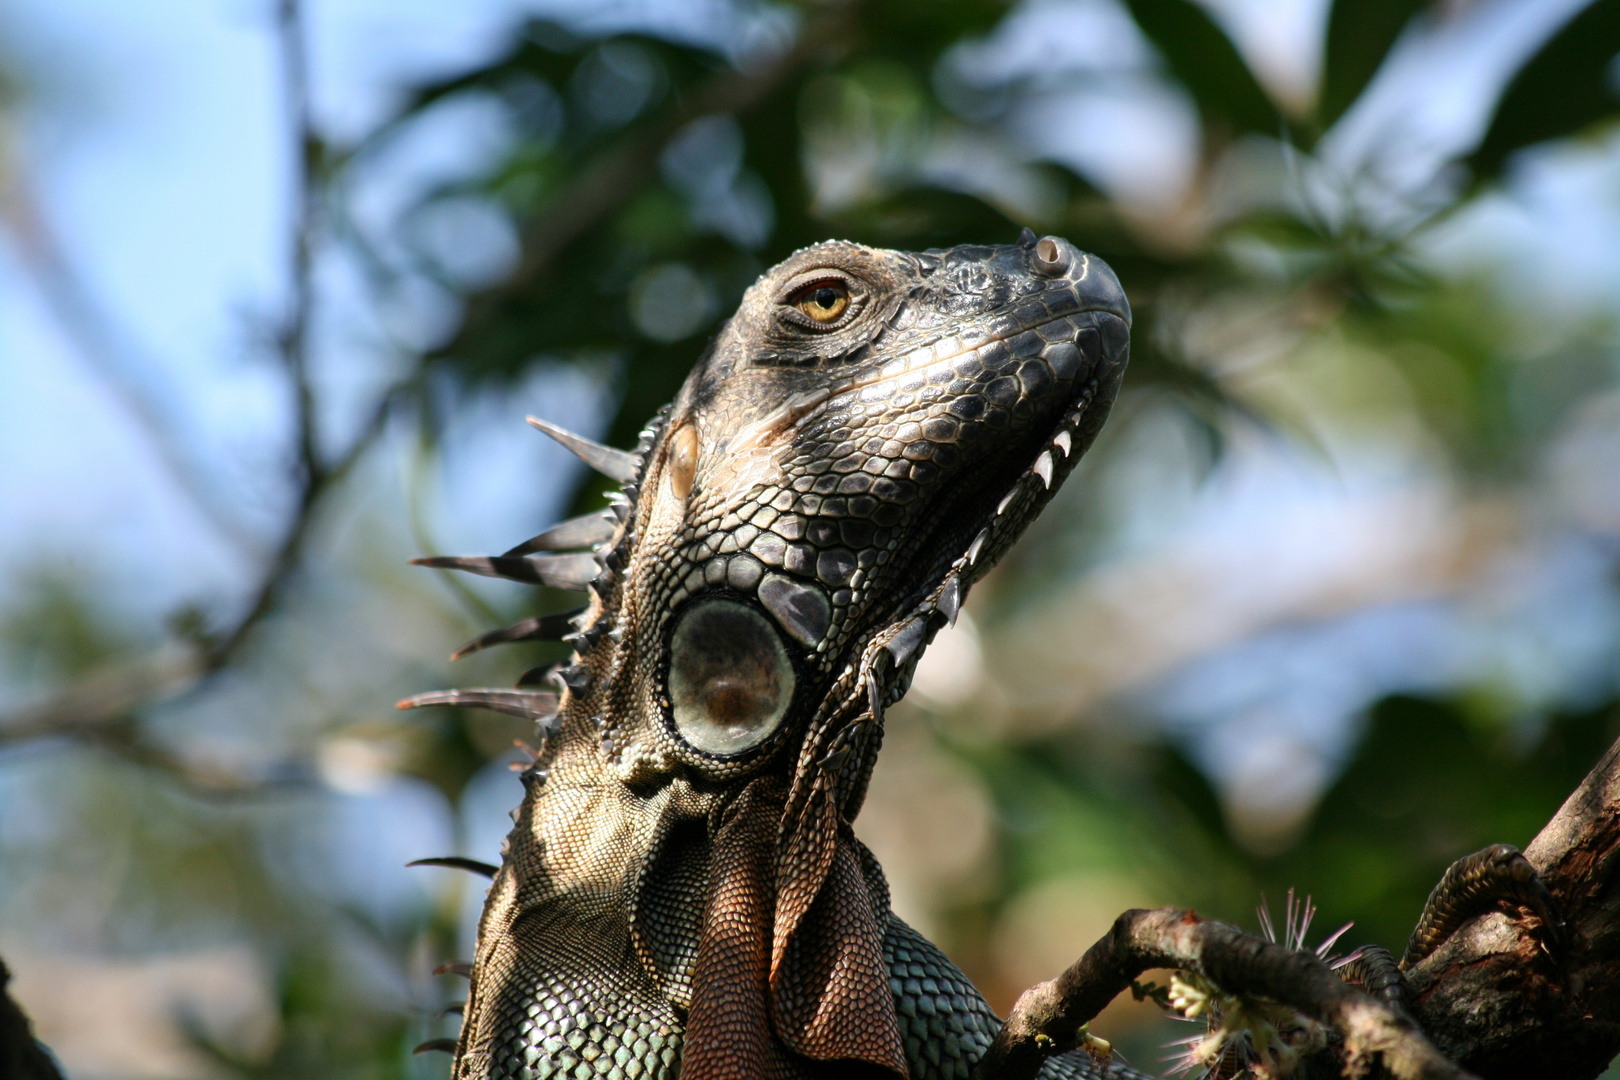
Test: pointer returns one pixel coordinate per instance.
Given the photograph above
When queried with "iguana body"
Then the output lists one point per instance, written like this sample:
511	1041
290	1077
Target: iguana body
681	893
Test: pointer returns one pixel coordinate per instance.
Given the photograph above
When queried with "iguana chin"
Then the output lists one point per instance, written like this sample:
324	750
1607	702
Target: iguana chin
682	893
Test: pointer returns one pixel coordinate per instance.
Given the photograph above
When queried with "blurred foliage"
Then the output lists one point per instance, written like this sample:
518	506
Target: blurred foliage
1428	780
648	180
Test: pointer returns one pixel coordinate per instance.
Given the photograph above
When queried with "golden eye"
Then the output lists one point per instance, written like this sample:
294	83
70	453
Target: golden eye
824	301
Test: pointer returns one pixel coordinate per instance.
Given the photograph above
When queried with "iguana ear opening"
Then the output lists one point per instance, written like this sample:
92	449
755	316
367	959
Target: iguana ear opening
730	678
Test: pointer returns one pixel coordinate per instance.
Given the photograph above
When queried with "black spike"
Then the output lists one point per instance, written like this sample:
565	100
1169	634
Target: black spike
586	530
835	758
582	640
574	571
527	704
950	598
574	676
541	628
456	862
904	643
447	1046
614	464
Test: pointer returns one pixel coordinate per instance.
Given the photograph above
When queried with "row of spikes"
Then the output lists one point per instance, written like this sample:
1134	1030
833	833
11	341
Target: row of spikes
544	560
575	570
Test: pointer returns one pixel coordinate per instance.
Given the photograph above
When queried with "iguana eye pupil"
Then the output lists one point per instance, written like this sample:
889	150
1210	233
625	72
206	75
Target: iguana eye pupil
730	679
824	302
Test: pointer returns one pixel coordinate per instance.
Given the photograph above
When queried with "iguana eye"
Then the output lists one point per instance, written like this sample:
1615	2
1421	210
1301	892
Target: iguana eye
823	301
730	679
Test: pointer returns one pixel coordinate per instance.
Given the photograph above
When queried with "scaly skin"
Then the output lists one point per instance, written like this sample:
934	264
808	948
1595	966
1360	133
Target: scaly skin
671	902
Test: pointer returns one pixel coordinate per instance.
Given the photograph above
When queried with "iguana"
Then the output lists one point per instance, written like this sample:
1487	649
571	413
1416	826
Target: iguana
682	894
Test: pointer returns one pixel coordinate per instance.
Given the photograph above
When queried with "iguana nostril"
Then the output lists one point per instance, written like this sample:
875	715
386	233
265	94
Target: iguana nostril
730	680
1051	256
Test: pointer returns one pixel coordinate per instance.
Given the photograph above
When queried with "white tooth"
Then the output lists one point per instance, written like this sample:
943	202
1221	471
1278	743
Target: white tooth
1062	442
1043	467
1005	499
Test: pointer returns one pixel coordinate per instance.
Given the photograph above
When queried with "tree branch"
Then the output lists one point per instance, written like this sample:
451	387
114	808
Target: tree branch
293	340
1048	1017
1496	1000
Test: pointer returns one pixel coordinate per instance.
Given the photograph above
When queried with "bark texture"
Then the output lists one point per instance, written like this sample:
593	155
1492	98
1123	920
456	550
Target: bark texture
1496	998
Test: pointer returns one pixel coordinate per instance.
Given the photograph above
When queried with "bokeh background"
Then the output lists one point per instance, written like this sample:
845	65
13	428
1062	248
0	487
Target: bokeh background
1333	601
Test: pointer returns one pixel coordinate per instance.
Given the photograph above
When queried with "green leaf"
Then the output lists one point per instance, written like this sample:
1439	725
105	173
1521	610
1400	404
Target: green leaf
1204	60
1563	89
1359	36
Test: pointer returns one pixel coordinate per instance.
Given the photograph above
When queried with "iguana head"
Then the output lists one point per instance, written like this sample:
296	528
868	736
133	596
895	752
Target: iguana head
858	445
860	442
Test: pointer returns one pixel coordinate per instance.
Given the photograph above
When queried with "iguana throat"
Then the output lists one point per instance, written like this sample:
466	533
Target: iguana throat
863	439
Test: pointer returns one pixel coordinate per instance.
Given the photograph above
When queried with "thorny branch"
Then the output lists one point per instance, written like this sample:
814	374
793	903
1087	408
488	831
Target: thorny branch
1493	998
1048	1017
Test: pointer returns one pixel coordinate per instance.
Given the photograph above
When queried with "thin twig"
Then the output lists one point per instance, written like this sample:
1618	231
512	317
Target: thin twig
289	552
104	697
293	340
1048	1017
